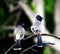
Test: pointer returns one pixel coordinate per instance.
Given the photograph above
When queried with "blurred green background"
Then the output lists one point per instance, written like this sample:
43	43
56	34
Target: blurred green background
8	18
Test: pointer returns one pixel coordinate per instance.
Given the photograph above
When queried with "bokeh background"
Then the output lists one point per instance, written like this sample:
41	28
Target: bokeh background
14	11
